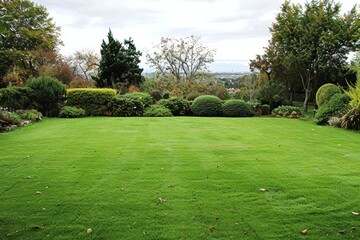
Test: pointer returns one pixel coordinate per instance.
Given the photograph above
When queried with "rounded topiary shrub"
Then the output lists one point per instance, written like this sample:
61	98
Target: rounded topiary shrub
126	107
335	107
157	111
236	108
325	92
207	106
177	105
71	112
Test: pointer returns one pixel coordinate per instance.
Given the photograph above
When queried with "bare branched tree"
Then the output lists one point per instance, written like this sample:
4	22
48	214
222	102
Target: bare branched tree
183	58
84	63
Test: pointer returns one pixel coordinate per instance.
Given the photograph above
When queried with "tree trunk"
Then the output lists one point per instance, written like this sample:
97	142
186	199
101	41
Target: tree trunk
306	101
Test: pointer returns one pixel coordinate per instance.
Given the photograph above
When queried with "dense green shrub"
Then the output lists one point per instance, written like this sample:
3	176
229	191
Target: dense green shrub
177	105
31	114
145	98
207	106
156	95
71	112
9	118
325	92
287	111
14	98
335	107
265	109
236	108
95	101
127	106
157	111
47	94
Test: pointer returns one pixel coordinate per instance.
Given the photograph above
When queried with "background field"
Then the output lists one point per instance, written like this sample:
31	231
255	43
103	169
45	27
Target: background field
64	176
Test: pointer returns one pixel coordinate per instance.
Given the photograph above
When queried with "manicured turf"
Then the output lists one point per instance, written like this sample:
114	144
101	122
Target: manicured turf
61	177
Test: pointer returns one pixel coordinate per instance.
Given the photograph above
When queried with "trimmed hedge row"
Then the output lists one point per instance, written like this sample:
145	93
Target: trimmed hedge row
95	102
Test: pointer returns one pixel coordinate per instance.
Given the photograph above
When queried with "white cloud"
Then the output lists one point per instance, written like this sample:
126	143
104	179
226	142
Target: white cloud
237	29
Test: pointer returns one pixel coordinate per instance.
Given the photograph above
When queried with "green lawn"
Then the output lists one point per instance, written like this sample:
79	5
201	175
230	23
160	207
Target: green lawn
61	177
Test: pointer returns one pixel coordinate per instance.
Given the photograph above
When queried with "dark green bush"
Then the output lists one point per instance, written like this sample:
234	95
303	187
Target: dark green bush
157	111
265	109
335	107
127	106
207	106
166	95
236	108
177	105
156	95
325	92
95	101
14	98
31	114
287	111
71	112
145	98
47	94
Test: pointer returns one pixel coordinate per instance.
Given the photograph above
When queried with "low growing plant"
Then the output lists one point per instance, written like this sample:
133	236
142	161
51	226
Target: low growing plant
71	112
157	111
287	111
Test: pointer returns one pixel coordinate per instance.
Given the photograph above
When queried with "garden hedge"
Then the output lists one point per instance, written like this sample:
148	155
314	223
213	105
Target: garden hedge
95	101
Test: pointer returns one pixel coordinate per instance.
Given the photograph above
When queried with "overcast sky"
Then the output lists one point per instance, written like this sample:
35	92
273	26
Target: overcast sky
236	29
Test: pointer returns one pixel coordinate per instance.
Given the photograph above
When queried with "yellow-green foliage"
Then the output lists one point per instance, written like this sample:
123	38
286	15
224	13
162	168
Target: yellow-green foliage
354	94
95	101
92	89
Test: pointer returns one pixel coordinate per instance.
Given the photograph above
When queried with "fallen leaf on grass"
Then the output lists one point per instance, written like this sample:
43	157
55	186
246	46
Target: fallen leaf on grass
38	192
35	227
262	190
171	186
355	213
212	228
342	231
162	200
305	231
89	230
27	177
